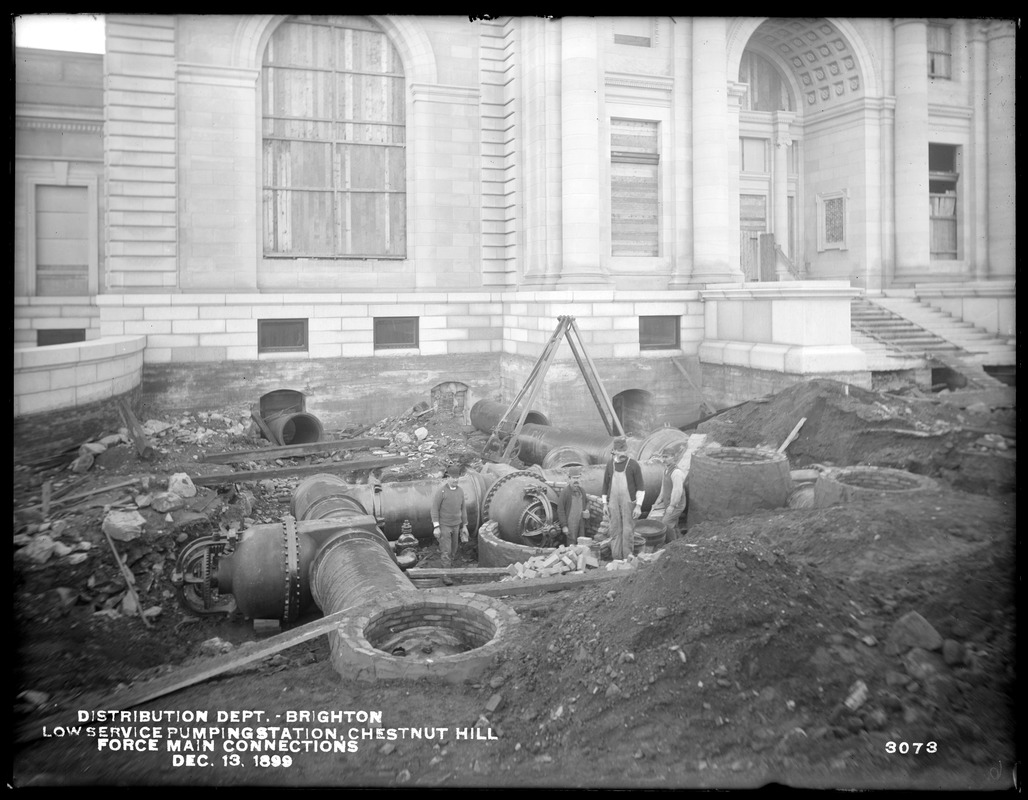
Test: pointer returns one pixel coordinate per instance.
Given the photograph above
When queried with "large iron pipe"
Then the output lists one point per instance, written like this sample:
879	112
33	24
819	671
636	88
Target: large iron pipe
273	572
486	415
392	504
537	441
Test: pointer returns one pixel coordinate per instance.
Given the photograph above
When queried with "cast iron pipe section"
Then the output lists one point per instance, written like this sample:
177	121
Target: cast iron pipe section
537	441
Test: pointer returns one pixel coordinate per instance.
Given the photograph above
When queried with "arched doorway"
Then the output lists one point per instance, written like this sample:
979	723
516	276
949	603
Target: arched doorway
796	174
634	408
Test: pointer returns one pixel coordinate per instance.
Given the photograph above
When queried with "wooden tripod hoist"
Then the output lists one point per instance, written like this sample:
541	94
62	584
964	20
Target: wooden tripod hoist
503	441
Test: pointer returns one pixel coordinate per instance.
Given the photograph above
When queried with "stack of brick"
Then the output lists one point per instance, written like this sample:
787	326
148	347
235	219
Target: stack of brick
576	558
633	561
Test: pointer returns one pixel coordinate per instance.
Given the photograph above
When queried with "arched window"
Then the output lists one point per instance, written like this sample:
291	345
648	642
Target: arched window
333	150
768	91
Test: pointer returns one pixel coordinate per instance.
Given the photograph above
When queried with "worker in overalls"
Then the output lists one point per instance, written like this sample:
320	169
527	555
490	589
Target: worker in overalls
449	519
670	503
623	493
573	507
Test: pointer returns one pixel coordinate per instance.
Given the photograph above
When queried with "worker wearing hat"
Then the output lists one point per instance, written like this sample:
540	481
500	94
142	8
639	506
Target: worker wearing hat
670	503
623	493
573	506
449	518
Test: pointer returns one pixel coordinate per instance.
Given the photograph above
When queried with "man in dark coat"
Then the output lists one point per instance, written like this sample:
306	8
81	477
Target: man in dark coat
573	507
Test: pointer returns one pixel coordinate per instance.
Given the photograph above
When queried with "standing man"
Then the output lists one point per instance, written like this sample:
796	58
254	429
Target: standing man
573	507
449	518
623	493
670	503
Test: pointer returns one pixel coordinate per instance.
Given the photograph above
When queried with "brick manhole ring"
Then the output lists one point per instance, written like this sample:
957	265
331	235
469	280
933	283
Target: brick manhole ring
728	481
845	484
437	634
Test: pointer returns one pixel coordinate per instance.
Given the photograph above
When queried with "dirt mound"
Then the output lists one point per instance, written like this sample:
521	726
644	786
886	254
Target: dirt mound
734	654
969	447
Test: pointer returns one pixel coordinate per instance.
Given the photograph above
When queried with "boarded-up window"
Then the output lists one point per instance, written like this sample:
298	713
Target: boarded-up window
831	220
62	240
334	158
281	335
393	333
49	336
634	188
753	212
753	154
659	333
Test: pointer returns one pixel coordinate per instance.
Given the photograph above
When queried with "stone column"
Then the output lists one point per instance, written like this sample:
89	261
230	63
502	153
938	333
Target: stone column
976	163
911	146
780	181
711	217
682	255
580	152
540	166
1002	178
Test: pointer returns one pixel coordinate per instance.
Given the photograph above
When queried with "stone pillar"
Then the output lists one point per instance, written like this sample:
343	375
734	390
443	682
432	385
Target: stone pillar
711	206
780	182
911	146
540	167
682	255
977	162
1002	177
580	152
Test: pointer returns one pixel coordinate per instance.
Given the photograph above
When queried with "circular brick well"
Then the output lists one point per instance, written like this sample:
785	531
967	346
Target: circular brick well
846	484
387	638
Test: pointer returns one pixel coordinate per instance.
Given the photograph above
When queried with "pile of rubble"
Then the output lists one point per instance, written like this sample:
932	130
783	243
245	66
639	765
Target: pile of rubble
575	558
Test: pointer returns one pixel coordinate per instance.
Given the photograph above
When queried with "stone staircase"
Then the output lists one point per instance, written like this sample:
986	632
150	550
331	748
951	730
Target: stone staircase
900	333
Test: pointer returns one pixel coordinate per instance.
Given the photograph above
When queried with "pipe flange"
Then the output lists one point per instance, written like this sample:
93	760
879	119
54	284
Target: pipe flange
497	484
291	558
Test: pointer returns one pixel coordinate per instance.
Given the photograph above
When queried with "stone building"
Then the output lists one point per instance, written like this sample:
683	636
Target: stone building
367	208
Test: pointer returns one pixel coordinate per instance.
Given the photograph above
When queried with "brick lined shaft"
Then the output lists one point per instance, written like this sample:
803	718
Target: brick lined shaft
846	484
729	481
481	622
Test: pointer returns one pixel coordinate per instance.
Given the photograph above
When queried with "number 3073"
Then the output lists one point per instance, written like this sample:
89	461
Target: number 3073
903	748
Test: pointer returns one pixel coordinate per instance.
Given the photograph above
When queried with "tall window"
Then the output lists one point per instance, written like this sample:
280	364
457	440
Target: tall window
831	220
940	53
767	89
942	195
62	240
634	188
334	163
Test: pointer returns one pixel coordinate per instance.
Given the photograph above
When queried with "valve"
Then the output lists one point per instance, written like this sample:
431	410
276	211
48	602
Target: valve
195	574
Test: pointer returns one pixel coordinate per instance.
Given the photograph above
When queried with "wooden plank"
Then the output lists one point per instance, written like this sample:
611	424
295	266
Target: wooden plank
188	676
130	580
290	451
255	415
246	476
81	495
792	436
143	447
482	573
537	585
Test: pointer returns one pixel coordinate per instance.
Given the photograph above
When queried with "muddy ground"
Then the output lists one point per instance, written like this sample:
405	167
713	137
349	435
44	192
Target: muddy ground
727	662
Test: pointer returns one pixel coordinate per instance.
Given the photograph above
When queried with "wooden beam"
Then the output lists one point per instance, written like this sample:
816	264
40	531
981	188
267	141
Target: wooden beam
482	573
30	731
255	415
789	439
537	585
60	501
247	476
143	447
289	451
